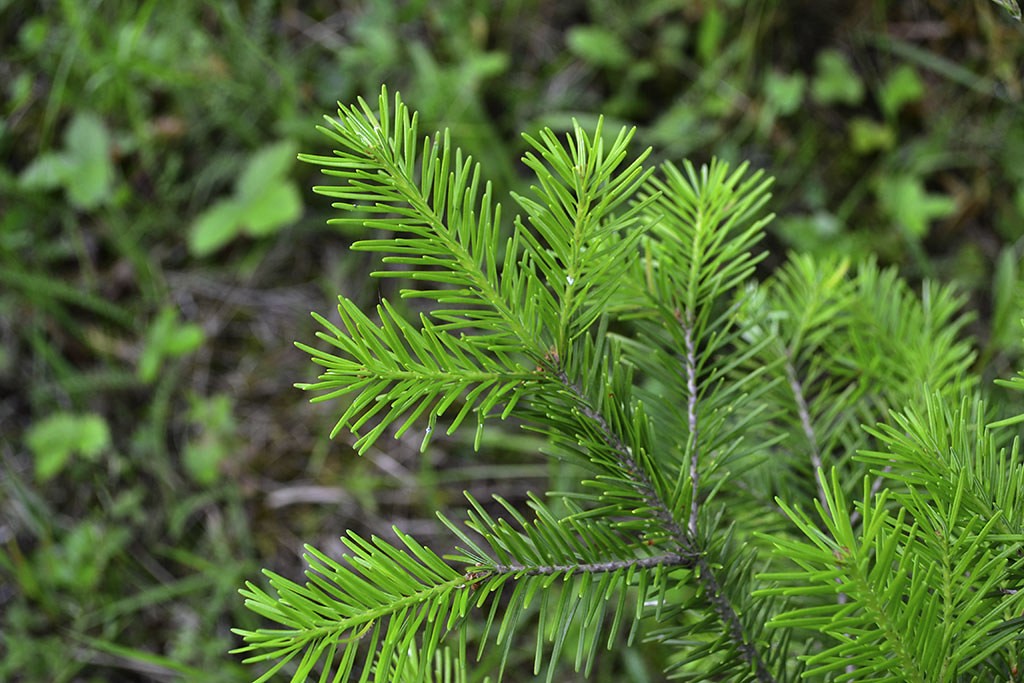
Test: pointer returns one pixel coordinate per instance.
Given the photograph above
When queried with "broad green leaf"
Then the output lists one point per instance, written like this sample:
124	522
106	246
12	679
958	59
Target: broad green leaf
33	33
167	338
183	339
274	208
202	460
46	172
902	87
904	198
784	92
92	171
598	46
266	169
867	136
264	200
835	82
55	439
215	227
83	168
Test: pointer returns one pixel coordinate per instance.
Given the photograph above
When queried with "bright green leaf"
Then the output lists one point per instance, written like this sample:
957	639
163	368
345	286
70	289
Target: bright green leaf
266	169
784	92
215	227
816	232
213	419
167	338
867	136
1006	299
264	200
710	35
88	148
902	87
202	460
33	33
835	82
904	198
84	552
184	339
215	414
55	439
598	46
46	172
149	363
276	207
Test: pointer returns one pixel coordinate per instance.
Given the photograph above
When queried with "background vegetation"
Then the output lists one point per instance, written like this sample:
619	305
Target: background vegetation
160	250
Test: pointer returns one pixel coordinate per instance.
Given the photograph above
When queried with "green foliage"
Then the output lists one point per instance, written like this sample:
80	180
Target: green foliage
84	168
620	319
929	577
56	439
598	45
167	338
784	92
263	202
835	81
215	439
901	87
904	198
123	122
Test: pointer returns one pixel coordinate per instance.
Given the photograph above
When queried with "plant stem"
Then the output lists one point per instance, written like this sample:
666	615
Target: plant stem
671	559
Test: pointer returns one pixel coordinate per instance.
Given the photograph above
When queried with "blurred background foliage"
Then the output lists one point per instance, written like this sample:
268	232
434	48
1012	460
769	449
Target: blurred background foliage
160	250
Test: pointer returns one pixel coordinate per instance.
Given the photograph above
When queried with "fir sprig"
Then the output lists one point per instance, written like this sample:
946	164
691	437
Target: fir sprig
619	317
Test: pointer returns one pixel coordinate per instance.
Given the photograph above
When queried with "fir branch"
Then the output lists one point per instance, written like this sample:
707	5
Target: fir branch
455	233
583	248
923	599
695	389
577	549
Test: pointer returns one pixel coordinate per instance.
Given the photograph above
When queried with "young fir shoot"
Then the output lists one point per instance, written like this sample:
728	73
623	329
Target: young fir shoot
734	511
